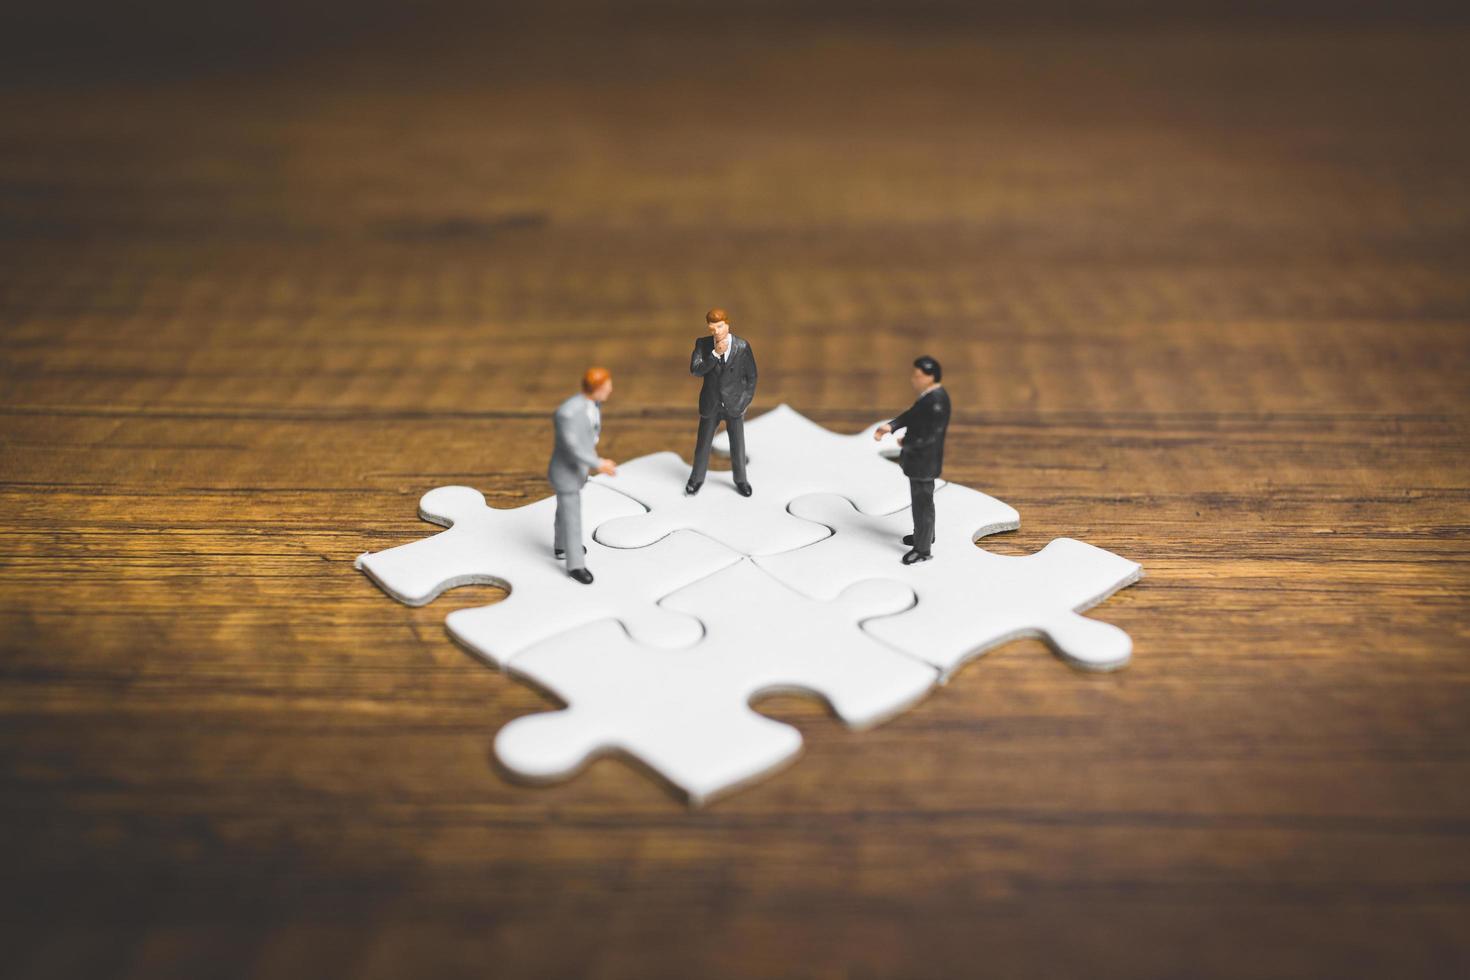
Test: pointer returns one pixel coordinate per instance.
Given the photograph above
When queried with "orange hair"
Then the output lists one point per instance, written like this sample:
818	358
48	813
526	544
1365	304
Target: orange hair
595	378
716	315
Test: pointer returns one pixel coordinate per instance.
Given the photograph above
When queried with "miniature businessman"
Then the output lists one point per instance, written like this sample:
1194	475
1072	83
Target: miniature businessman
922	457
578	424
727	365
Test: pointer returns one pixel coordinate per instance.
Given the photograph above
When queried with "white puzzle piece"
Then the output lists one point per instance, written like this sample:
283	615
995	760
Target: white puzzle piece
969	599
627	585
792	456
686	713
511	548
757	525
868	548
785	419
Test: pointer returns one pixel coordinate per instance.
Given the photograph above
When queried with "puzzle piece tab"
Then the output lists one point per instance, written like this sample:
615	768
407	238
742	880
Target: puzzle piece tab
757	525
969	599
792	456
686	713
511	548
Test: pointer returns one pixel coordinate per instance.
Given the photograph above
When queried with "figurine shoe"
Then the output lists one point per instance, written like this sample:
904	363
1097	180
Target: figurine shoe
691	488
581	575
744	489
916	556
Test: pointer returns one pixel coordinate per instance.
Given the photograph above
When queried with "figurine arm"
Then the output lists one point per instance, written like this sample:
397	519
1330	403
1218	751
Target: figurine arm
926	435
577	448
748	372
699	365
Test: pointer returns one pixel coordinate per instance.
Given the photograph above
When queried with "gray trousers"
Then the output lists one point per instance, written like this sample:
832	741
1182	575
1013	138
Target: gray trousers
568	534
707	425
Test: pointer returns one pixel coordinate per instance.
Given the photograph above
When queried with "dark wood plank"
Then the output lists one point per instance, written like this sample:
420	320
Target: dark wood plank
1201	298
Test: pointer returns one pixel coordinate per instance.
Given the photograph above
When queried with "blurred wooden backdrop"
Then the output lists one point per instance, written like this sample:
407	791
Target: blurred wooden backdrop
1199	285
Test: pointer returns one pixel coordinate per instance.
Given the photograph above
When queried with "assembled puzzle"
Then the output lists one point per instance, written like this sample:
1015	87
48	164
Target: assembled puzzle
826	579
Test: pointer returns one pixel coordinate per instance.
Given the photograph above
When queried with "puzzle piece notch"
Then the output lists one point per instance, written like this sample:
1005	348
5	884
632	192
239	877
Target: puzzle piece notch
686	714
969	599
757	525
511	548
792	456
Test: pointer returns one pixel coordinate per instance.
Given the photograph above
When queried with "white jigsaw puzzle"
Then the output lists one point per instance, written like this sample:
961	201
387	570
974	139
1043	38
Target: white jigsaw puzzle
511	548
792	456
757	525
686	713
784	423
660	656
969	599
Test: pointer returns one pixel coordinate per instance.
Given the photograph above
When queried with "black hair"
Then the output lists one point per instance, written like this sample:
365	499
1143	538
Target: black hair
929	366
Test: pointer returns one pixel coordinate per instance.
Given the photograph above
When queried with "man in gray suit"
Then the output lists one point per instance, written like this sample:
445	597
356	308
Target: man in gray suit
727	365
578	424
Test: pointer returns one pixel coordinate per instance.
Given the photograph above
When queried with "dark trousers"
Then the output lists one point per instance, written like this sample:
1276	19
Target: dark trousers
921	492
707	426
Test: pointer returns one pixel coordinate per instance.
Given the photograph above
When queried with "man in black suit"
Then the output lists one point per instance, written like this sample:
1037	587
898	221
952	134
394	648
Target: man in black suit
922	457
727	365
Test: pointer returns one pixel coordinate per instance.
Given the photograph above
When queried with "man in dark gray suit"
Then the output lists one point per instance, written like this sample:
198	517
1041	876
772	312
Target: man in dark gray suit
922	457
578	423
727	365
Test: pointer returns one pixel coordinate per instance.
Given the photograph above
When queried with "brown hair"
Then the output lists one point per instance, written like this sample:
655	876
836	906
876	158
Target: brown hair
716	315
595	378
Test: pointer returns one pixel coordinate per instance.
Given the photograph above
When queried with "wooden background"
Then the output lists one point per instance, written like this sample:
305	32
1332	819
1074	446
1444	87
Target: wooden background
1200	290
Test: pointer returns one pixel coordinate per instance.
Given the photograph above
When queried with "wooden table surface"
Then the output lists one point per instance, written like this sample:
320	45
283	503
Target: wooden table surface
1201	295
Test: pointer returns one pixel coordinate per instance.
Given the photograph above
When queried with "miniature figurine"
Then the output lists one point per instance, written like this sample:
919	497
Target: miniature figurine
922	456
578	423
727	365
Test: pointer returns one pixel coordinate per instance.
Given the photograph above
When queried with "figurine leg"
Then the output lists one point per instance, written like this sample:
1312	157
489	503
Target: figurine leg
569	529
921	494
702	444
736	429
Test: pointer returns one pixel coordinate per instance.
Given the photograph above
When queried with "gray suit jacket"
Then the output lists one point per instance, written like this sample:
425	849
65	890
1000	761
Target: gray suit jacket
575	453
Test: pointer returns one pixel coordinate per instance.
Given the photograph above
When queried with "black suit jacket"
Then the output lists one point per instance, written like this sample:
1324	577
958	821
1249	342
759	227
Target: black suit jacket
922	457
729	387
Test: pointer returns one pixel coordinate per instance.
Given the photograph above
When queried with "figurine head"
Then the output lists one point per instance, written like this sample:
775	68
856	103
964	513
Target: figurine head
719	324
597	383
926	372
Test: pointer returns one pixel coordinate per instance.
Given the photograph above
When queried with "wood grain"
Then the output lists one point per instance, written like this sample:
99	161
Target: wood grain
1201	298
